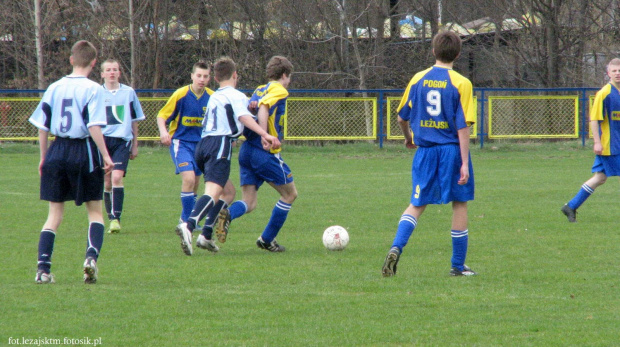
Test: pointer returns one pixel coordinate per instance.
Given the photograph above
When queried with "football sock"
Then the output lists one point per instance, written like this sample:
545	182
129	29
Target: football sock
187	203
95	240
406	225
583	194
118	196
201	209
207	229
459	248
46	248
278	217
107	201
237	209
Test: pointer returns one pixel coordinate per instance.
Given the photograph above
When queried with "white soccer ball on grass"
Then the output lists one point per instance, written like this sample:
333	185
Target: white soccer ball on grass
335	238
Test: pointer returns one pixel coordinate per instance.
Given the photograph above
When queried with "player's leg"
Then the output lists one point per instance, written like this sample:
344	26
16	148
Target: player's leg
188	198
228	194
288	194
107	196
570	208
406	226
117	198
46	242
460	239
182	154
94	241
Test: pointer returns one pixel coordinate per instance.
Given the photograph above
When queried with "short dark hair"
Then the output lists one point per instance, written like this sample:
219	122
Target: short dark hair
201	64
278	66
446	46
224	69
83	53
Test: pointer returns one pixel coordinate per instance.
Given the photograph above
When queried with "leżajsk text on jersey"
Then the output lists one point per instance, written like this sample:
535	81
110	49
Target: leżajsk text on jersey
122	108
69	107
437	103
606	110
225	107
184	112
273	95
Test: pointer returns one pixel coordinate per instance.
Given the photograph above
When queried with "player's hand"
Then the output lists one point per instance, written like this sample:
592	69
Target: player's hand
41	166
134	153
271	142
464	175
165	139
598	149
253	107
409	144
108	164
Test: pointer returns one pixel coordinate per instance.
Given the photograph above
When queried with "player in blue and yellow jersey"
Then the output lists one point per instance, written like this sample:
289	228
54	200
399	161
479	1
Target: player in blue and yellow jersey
258	165
180	125
123	112
605	129
438	107
72	168
226	117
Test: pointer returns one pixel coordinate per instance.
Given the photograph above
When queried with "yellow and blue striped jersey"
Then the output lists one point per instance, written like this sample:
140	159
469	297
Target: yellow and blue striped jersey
437	103
273	95
184	112
606	110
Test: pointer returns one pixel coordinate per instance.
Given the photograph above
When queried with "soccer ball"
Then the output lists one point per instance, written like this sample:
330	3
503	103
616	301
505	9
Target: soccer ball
335	238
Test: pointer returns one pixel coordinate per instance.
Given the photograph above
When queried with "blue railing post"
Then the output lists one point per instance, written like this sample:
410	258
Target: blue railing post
380	101
481	122
584	123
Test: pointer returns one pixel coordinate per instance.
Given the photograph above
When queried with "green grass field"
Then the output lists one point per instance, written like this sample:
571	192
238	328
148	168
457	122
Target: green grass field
541	282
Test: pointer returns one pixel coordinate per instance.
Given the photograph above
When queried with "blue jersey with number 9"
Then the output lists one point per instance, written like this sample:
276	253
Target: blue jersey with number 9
69	107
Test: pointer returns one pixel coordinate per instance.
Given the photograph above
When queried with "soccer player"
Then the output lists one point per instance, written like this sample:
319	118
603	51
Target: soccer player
438	107
183	114
123	111
227	115
257	165
605	128
72	168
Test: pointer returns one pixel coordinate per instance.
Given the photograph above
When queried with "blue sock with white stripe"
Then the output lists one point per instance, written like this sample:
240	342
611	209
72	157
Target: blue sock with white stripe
200	211
107	201
405	228
46	248
187	204
459	248
581	197
118	196
237	209
278	217
207	229
95	240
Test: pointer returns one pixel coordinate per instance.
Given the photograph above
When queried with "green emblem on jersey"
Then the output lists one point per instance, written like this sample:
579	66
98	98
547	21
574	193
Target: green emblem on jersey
115	114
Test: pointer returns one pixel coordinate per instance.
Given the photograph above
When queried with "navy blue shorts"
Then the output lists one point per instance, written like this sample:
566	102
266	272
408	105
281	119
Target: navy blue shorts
257	165
607	164
182	153
119	151
212	156
72	171
435	173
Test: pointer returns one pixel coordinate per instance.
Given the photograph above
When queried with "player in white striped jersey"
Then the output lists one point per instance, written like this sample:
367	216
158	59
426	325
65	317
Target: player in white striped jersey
123	111
72	168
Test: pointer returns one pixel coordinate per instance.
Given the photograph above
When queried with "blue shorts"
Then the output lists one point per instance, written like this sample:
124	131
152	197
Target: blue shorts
607	164
435	173
119	151
72	171
213	155
182	153
257	166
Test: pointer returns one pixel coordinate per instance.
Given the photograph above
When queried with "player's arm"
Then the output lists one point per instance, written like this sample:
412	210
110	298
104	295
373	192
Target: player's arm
164	136
464	147
404	126
97	135
595	128
251	124
134	143
42	147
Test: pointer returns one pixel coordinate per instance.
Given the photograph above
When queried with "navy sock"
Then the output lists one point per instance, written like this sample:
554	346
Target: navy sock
581	197
46	248
118	196
201	209
459	248
95	240
237	209
107	201
406	225
187	204
207	229
278	217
